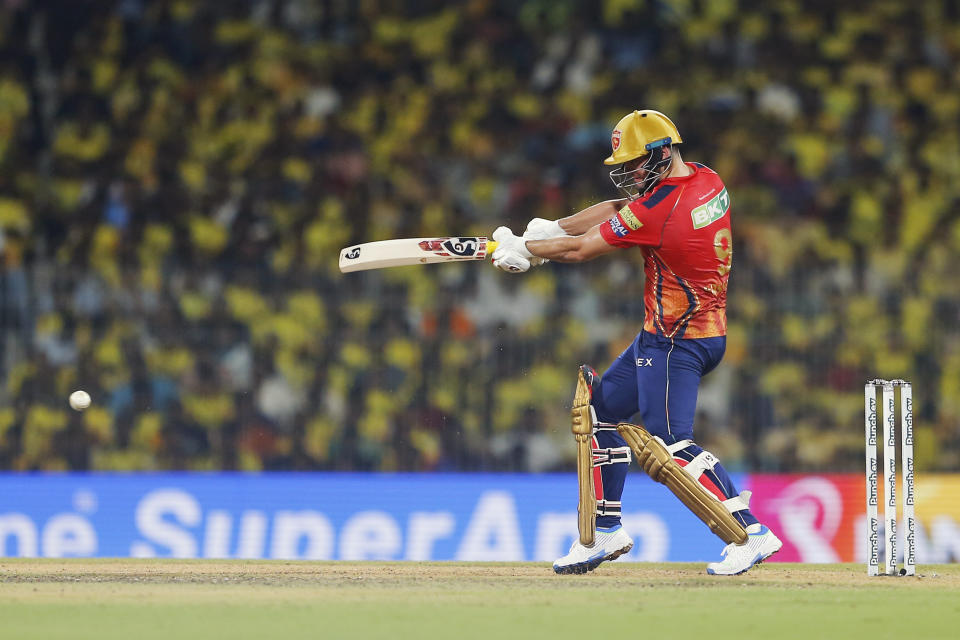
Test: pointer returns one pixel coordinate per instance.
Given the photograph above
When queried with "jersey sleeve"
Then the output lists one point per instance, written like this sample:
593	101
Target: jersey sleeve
640	223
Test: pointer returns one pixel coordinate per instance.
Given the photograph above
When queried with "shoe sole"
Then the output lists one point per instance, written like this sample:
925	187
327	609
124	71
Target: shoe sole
590	565
740	573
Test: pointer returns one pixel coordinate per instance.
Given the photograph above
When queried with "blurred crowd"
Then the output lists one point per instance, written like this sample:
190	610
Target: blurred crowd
177	178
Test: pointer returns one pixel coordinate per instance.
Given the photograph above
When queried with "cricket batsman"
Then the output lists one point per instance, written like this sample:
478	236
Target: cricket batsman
678	214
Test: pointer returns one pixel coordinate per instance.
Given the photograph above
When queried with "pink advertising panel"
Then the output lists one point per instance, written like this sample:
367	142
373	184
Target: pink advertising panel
822	517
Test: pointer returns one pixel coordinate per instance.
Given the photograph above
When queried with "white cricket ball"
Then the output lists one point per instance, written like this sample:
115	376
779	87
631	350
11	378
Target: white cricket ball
79	400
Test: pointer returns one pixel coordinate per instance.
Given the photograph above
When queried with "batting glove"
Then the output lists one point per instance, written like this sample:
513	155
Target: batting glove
543	229
510	261
511	253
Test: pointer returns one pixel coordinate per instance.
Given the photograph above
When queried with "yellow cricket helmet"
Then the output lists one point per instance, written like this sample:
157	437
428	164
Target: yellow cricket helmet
639	132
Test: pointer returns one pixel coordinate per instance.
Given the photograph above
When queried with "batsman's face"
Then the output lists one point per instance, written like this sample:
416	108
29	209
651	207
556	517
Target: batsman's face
635	169
640	166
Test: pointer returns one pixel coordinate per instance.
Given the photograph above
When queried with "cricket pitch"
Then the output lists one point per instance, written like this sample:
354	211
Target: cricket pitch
145	599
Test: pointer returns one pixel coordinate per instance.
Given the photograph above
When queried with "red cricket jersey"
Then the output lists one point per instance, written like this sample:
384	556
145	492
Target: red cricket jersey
683	229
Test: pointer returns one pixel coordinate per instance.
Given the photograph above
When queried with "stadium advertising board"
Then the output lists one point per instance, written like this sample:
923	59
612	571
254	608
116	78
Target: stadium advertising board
422	516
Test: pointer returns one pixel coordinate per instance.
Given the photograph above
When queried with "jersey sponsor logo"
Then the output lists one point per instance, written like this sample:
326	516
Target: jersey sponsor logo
618	229
630	219
615	139
644	362
712	211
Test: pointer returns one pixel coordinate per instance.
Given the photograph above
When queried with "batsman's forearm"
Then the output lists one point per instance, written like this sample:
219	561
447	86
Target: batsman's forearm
586	246
582	221
563	249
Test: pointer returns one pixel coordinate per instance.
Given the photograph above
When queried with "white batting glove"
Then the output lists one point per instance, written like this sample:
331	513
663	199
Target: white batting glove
543	229
507	241
511	253
510	261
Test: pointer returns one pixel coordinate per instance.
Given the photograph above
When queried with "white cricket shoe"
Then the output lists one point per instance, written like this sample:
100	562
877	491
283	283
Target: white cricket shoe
608	544
738	558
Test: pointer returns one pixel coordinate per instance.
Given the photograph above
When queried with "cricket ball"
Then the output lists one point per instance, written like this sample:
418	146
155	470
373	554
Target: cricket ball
79	400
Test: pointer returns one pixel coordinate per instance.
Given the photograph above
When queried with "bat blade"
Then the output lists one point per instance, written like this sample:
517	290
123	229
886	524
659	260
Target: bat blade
410	251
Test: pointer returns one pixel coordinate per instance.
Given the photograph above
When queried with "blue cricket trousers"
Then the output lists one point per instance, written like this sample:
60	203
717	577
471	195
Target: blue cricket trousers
657	379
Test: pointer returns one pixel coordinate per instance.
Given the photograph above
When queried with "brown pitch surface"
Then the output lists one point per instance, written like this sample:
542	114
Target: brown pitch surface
387	574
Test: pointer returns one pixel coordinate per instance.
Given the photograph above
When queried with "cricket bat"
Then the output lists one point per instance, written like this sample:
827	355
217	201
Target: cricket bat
409	251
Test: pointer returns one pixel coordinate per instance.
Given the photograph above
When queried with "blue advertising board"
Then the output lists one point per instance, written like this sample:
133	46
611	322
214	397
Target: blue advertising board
333	516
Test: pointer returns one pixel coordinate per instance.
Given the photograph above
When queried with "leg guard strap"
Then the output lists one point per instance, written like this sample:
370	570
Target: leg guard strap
617	455
603	426
739	502
608	508
678	446
704	461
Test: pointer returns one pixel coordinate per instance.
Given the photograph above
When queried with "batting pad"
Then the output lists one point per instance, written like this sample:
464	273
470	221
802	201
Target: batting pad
582	428
654	457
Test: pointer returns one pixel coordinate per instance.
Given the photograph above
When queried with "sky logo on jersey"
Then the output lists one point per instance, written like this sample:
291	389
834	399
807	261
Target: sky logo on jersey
630	219
711	211
618	228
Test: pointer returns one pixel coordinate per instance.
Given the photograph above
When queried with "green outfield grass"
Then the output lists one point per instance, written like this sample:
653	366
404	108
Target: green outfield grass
173	599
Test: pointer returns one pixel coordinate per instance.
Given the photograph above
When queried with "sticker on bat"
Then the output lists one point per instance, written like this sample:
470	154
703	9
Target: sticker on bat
461	247
353	254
